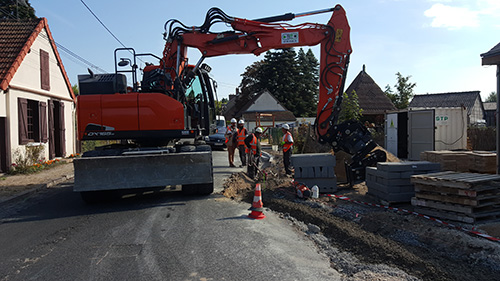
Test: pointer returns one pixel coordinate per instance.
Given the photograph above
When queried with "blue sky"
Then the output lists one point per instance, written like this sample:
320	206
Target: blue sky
436	42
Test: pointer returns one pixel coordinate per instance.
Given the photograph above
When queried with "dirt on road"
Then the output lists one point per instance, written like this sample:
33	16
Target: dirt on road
370	243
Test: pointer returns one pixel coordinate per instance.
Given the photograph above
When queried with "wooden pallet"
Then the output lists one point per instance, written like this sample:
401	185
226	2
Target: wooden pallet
456	180
460	217
464	197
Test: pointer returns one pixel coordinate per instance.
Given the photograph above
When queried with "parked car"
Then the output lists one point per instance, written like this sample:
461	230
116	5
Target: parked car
216	141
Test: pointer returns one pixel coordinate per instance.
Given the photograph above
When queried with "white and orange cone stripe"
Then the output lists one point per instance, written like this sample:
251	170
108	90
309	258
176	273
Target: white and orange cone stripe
257	205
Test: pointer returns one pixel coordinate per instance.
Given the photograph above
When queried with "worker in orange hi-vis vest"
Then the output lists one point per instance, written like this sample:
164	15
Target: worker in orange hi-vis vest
252	141
287	143
242	134
231	141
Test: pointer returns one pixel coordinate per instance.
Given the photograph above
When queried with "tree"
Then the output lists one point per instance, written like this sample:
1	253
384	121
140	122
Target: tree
279	74
292	79
308	83
349	109
16	9
75	90
492	97
404	91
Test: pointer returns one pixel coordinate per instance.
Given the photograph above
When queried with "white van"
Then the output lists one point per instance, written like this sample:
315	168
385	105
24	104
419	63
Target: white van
221	124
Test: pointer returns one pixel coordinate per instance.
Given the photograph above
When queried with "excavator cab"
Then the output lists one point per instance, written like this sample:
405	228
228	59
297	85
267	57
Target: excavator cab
155	112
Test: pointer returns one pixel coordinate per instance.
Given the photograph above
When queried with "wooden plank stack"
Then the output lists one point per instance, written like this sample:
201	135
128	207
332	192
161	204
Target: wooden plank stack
462	161
463	197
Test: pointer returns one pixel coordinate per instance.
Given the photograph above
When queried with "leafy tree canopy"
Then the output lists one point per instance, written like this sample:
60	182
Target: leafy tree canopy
492	97
16	9
350	109
291	78
404	91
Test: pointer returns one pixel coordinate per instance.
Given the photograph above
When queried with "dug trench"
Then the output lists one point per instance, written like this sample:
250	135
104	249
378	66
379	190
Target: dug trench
420	248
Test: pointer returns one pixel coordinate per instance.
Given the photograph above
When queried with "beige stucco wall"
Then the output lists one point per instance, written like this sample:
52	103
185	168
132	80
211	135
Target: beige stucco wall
26	83
28	74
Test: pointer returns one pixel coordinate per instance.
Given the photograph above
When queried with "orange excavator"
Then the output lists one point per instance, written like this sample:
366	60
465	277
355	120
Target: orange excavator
175	101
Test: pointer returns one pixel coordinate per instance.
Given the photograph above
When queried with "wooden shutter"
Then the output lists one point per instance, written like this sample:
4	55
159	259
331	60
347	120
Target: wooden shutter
52	142
62	128
44	70
22	112
42	109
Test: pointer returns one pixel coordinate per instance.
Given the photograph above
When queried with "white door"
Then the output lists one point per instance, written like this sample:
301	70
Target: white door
391	133
420	132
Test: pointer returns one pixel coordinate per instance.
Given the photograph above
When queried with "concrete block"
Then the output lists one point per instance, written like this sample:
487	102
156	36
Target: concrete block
408	166
394	182
313	160
384	174
390	189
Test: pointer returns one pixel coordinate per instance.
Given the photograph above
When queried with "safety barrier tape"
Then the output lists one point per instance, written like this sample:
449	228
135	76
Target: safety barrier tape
477	233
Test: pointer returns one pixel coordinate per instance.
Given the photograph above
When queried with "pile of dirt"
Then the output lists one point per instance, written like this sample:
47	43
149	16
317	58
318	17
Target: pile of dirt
407	244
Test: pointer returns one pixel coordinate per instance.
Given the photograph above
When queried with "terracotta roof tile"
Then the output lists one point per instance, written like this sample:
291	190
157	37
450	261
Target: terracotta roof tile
13	38
16	39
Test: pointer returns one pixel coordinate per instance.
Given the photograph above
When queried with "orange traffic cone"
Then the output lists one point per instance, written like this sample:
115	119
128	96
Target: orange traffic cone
257	206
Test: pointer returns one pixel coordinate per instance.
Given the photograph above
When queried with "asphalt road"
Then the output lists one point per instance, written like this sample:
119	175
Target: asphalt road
53	235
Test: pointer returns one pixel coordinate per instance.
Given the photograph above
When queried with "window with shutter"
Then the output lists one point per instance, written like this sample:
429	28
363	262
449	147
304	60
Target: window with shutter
44	70
30	116
22	112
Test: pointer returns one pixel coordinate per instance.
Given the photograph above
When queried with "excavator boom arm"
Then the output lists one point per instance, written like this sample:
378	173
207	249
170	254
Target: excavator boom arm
258	36
261	35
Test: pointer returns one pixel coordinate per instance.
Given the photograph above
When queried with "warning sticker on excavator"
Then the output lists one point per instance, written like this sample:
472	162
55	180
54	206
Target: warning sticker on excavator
289	38
338	35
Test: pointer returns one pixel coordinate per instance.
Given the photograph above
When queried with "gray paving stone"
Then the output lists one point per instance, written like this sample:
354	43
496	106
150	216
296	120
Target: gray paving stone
313	160
408	166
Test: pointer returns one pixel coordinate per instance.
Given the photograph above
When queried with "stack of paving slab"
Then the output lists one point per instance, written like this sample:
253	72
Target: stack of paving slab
391	181
462	161
463	197
316	169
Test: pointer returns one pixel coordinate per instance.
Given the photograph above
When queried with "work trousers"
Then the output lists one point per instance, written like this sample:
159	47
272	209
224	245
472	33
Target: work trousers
286	161
230	152
243	155
253	164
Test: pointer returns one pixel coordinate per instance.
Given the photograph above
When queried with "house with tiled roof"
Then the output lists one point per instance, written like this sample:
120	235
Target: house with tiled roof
490	109
263	110
470	100
371	98
492	57
36	98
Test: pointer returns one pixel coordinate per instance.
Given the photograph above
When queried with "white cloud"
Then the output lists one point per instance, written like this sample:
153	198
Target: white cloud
452	17
489	7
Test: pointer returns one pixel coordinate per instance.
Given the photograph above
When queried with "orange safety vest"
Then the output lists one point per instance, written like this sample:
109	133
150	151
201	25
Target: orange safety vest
228	129
287	146
253	145
242	134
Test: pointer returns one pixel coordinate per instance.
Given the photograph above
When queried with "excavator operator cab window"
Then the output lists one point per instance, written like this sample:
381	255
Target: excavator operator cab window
194	101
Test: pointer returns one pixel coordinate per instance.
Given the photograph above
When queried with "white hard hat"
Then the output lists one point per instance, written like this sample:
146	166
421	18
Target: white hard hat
233	120
241	122
286	127
258	130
